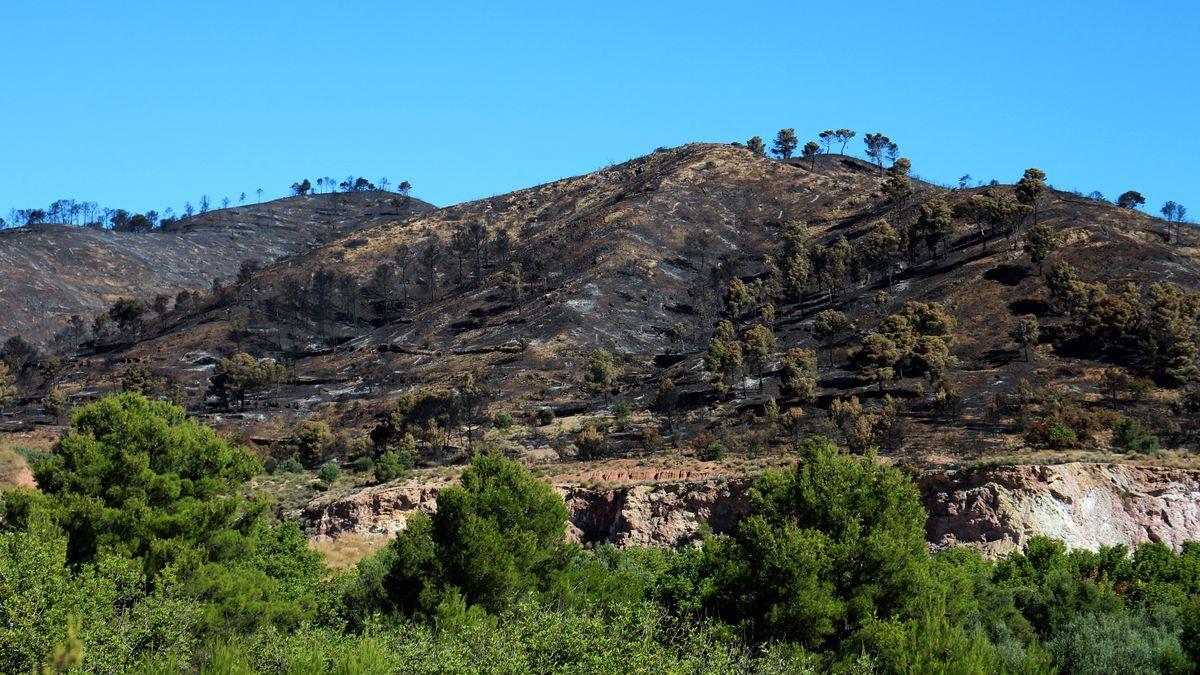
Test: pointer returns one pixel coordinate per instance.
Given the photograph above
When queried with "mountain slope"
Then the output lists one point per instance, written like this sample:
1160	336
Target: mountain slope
50	272
635	259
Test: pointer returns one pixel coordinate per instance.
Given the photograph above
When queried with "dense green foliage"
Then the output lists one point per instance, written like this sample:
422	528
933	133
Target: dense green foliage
140	554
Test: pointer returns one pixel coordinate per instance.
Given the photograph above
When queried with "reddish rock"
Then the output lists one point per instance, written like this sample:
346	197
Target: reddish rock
995	509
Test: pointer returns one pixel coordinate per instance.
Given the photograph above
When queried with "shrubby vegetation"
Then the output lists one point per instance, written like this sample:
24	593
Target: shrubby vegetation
140	553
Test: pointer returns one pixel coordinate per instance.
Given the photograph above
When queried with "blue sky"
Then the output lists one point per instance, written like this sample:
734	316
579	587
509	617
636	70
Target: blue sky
144	105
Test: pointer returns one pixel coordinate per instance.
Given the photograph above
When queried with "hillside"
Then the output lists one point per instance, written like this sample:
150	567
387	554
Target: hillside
50	272
636	259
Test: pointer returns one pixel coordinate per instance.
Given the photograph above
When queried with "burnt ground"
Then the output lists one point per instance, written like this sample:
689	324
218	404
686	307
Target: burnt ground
615	259
50	272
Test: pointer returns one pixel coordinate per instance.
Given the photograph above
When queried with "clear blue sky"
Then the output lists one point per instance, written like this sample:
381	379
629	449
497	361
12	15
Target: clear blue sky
144	105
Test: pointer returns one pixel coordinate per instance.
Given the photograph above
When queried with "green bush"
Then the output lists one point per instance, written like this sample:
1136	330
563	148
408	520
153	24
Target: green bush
364	464
491	541
289	465
117	621
329	473
828	545
527	638
1129	433
140	483
1102	643
545	416
140	477
503	421
621	410
1061	434
712	452
392	465
314	443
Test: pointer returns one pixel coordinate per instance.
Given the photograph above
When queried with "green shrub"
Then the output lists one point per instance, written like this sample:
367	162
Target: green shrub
545	416
621	410
329	473
503	421
391	465
1102	643
314	443
493	539
364	464
140	481
1129	433
836	541
289	465
712	452
116	621
1061	435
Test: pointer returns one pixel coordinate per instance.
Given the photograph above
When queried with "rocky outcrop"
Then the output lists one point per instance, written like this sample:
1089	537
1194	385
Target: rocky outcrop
662	514
381	510
666	514
1083	504
995	509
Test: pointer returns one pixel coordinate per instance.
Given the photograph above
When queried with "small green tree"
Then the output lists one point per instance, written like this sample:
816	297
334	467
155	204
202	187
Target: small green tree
878	358
811	150
724	358
493	539
1040	241
785	143
1130	200
830	545
934	225
314	443
828	326
827	139
511	283
601	374
798	376
879	147
756	145
897	189
761	346
844	136
1026	333
1030	188
55	404
234	378
8	385
127	314
881	249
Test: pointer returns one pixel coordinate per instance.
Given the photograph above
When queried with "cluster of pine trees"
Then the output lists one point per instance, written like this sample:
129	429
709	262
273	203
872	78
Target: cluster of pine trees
142	551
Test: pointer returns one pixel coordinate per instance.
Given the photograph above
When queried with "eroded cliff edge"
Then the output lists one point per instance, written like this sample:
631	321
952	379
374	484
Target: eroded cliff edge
996	509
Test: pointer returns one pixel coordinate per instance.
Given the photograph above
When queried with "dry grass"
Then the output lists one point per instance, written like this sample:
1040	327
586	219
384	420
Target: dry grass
14	471
345	551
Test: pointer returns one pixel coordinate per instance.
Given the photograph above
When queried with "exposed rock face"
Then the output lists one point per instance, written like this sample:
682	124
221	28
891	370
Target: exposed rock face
996	509
1084	505
382	510
666	514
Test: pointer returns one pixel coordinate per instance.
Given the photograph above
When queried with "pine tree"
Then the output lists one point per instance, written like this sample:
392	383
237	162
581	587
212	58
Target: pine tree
1026	333
761	346
1040	241
785	143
